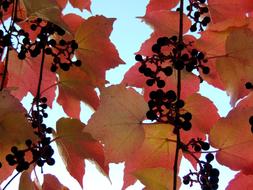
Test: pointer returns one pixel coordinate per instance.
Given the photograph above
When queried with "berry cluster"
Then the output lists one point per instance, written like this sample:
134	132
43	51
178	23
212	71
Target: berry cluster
207	177
41	150
160	63
62	51
197	144
197	11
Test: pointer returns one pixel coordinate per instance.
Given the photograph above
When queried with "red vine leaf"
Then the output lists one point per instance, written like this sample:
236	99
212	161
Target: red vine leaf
157	150
46	9
155	5
25	76
14	128
226	9
75	86
241	181
52	183
75	146
120	113
96	51
84	4
233	142
156	178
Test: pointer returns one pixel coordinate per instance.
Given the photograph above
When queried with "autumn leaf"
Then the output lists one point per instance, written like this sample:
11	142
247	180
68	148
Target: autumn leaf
118	122
157	150
232	137
14	128
84	4
226	9
52	183
241	181
75	86
97	54
1	75
46	9
25	182
156	178
232	50
95	49
75	146
25	73
160	5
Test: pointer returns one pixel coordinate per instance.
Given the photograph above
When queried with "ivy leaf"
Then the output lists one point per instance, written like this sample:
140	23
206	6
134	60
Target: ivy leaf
241	181
232	136
157	150
14	128
156	178
25	73
75	146
52	183
117	122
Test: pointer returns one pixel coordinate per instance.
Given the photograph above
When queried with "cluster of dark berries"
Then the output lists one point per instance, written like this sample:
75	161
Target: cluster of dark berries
197	11
207	177
4	6
163	106
41	150
161	65
62	51
197	145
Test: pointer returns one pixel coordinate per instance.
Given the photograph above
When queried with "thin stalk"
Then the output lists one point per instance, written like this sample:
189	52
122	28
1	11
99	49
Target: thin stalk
11	180
180	37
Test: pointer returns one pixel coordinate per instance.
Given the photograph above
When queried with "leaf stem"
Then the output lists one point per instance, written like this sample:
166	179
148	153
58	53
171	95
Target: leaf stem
177	130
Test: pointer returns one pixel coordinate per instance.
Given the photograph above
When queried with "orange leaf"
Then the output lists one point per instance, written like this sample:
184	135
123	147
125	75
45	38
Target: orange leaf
14	128
75	146
75	86
25	182
117	122
226	9
96	51
160	5
241	181
52	183
233	137
157	150
156	178
24	76
84	4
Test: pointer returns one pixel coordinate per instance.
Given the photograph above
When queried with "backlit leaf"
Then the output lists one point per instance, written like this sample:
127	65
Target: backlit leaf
118	122
241	181
52	183
75	146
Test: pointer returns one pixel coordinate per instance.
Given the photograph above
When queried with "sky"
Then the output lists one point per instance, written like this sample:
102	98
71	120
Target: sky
128	35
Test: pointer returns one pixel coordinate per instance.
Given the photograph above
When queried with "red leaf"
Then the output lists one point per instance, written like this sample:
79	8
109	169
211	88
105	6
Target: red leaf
155	5
233	137
24	76
241	181
84	4
52	183
75	146
118	122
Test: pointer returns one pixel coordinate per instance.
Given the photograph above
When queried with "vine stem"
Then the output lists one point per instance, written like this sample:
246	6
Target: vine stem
177	130
11	180
14	16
